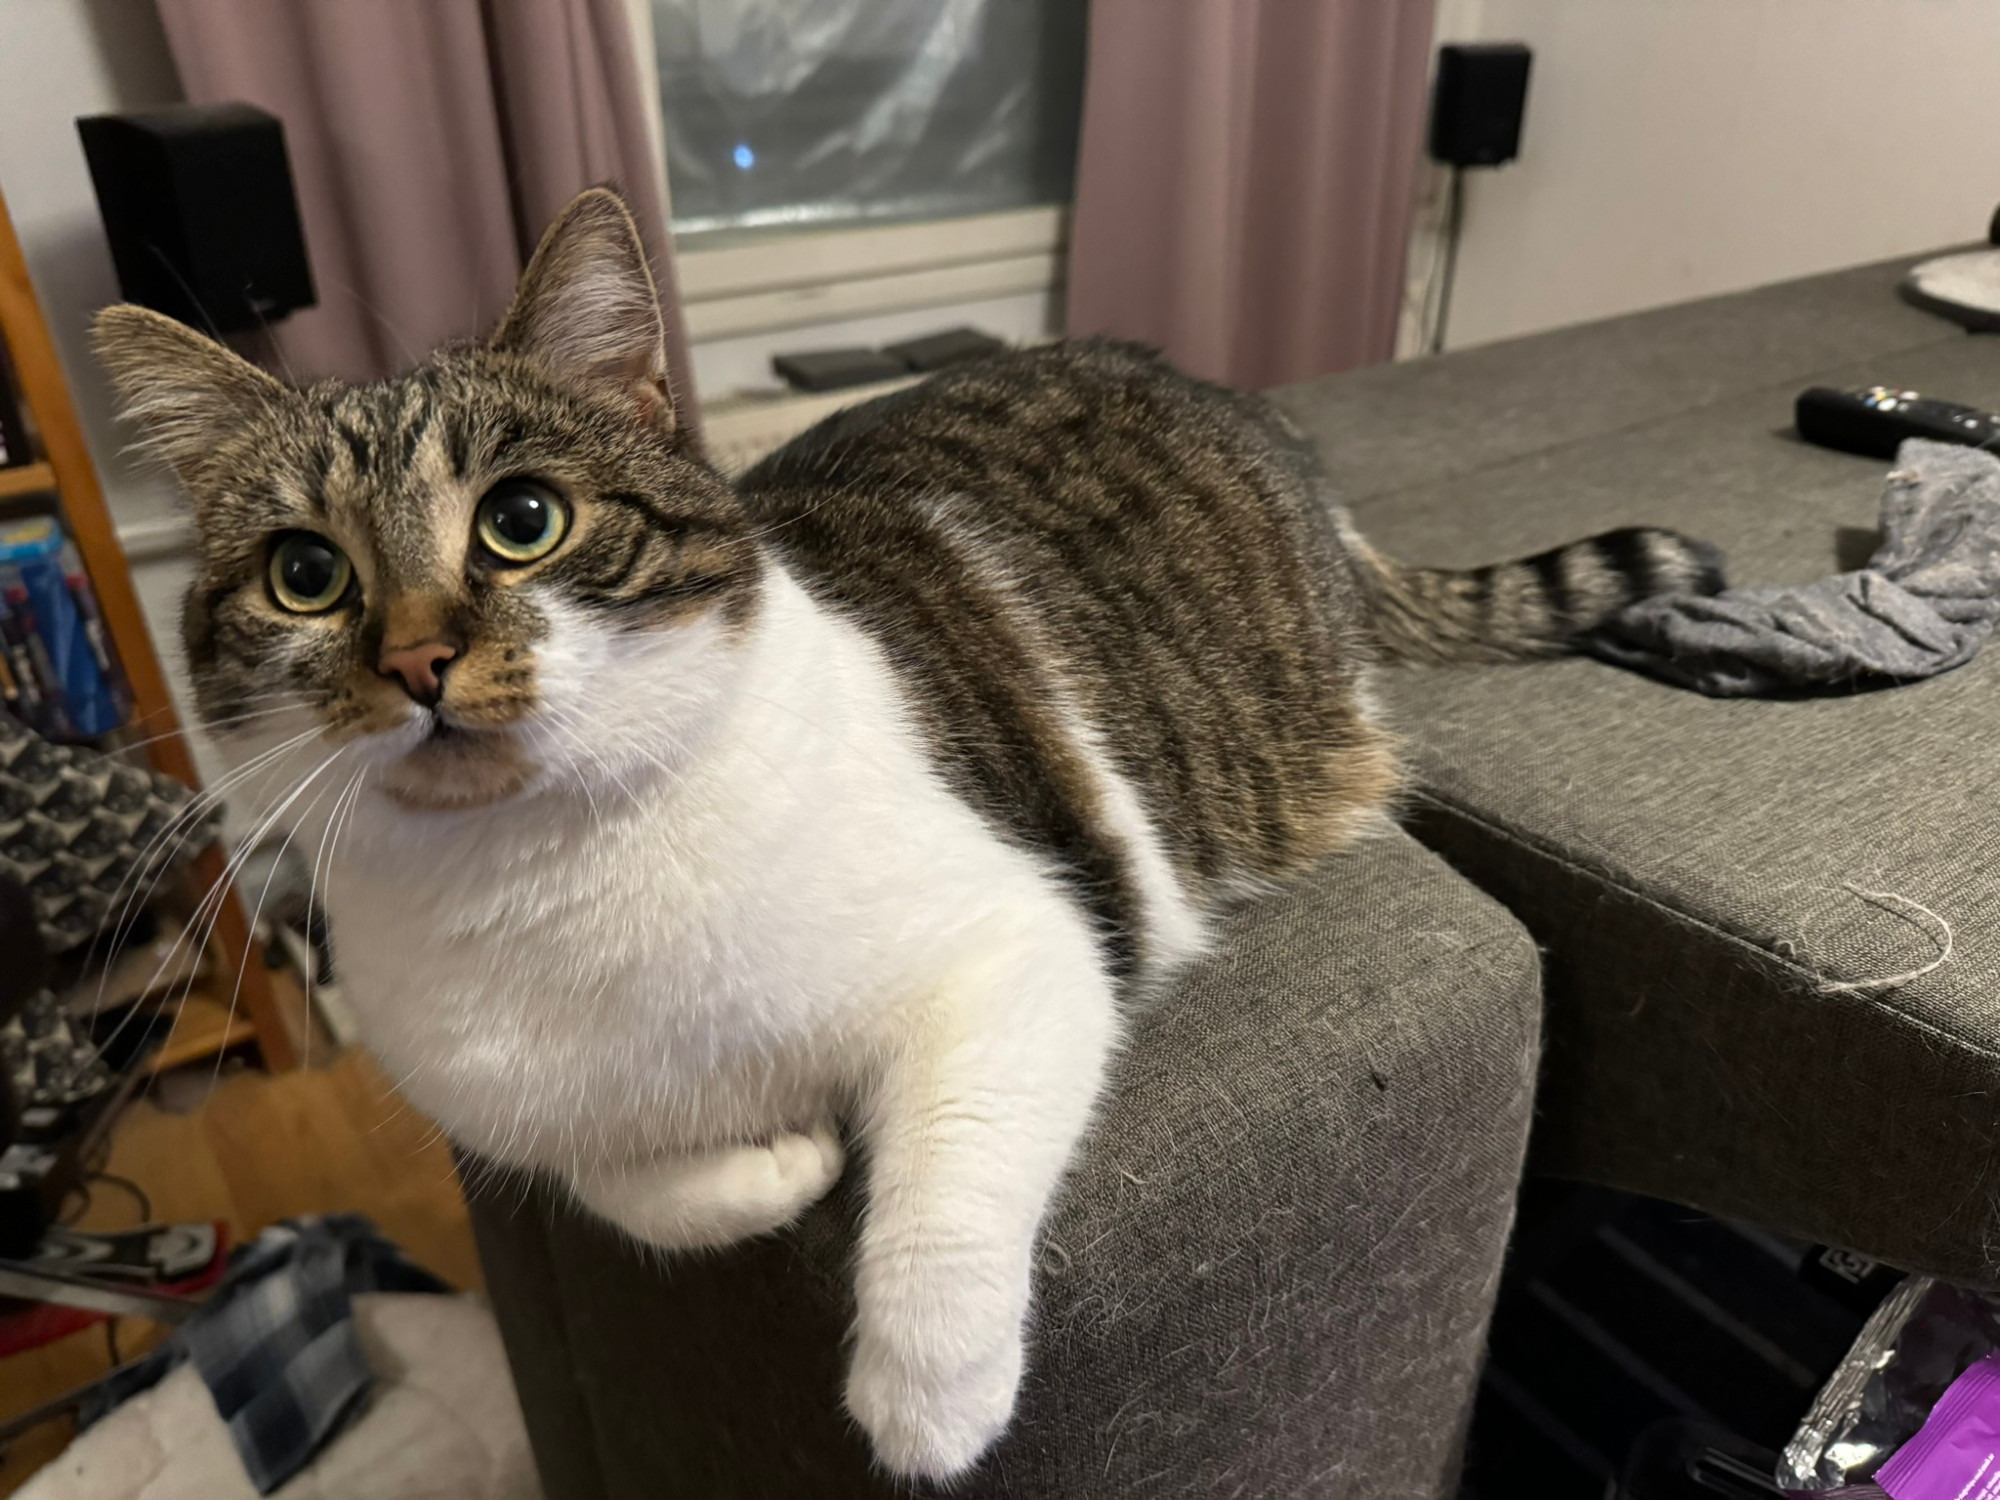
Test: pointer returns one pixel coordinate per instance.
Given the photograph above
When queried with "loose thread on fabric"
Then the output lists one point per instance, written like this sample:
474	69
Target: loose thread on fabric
1902	906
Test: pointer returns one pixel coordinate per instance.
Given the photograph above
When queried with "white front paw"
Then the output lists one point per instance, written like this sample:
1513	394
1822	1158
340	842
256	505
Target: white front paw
931	1417
719	1197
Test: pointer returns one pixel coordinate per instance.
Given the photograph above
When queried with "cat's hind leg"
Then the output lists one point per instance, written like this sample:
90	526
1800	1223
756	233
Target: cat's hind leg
717	1197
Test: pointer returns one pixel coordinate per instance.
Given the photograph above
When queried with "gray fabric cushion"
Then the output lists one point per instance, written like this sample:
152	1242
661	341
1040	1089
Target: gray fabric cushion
1269	1275
1701	871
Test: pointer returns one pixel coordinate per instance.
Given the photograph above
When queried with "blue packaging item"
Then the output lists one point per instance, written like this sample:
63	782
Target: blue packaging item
84	597
33	581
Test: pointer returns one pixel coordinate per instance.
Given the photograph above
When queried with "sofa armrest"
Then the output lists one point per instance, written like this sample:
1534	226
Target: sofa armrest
1270	1272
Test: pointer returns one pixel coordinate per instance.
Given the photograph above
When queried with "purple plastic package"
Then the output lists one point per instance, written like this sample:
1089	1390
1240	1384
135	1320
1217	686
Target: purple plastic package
1918	1343
1956	1454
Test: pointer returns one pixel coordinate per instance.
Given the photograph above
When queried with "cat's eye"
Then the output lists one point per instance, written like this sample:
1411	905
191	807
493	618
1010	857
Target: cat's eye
520	520
309	575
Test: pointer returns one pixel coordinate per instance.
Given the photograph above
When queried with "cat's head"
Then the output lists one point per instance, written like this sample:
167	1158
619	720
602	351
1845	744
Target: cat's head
505	570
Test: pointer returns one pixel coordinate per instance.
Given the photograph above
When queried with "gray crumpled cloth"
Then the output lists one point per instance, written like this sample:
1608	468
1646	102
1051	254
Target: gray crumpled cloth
1925	603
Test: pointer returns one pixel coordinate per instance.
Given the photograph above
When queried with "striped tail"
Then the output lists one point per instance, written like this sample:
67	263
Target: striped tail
1536	606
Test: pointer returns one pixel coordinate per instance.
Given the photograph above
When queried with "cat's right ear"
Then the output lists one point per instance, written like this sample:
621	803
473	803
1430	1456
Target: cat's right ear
587	308
183	390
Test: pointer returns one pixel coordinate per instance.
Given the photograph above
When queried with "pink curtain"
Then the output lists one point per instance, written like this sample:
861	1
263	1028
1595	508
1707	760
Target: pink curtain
431	142
1244	189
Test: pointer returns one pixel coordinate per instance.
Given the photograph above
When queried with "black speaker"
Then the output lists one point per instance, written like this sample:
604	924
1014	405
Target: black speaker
1482	91
198	203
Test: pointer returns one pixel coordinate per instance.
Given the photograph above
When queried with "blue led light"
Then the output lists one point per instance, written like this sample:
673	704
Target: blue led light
745	158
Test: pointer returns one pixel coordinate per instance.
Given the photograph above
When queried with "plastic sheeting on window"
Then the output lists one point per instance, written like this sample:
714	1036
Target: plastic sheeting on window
823	112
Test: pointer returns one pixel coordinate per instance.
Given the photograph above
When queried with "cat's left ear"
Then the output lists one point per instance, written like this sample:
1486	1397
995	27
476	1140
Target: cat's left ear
186	392
587	307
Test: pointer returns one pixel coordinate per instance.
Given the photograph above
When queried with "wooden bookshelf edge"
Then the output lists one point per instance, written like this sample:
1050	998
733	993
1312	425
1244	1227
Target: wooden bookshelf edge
27	479
45	391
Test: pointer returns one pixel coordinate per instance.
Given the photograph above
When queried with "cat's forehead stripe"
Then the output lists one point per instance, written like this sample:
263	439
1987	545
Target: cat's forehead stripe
381	427
458	442
313	475
418	411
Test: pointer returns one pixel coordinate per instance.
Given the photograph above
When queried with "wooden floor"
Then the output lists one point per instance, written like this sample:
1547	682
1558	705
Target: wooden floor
262	1147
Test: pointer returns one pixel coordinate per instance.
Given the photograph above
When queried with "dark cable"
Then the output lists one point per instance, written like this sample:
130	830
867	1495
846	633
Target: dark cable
111	1342
1454	216
1427	303
138	1193
68	1219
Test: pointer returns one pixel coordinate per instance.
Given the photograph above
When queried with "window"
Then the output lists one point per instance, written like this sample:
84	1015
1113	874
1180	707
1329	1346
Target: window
829	113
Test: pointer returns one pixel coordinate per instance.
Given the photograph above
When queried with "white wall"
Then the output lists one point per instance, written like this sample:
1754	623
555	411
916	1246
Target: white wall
60	59
1676	148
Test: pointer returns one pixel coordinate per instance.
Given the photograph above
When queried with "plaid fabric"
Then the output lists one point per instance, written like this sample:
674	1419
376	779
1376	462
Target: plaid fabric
276	1343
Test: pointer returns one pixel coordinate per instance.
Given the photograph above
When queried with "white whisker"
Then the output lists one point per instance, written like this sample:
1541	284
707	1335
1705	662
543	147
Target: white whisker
328	843
249	952
209	909
189	819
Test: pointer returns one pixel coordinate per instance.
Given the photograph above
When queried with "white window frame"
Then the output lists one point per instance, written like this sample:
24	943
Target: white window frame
785	282
795	278
776	287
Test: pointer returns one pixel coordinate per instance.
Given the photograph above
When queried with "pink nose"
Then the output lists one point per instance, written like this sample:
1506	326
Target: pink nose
421	668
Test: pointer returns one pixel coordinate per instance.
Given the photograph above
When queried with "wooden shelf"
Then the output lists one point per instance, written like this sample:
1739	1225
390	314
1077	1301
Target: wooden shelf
26	479
205	1027
68	471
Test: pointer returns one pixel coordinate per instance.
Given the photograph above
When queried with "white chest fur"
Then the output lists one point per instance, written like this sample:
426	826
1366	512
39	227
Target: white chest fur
668	987
714	955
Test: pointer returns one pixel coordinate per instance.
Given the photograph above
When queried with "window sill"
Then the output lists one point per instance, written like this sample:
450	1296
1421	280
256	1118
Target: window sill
797	278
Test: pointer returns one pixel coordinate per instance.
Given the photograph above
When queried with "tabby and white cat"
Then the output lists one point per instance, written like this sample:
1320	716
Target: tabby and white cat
676	827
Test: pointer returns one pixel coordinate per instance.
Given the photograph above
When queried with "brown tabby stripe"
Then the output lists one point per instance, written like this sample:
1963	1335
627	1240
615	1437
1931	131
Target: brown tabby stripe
1080	516
1537	606
1064	553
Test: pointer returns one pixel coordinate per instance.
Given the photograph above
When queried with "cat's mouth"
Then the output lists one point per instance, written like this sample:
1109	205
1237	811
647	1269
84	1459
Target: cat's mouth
456	766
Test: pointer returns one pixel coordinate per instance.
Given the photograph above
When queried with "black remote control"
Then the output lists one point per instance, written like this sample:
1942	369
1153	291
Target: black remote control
1875	419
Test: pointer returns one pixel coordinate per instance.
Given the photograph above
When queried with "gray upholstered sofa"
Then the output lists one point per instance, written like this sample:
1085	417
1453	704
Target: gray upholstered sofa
1717	885
1271	1272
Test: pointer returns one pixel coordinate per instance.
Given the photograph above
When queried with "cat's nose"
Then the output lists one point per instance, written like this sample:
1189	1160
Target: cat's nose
421	669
